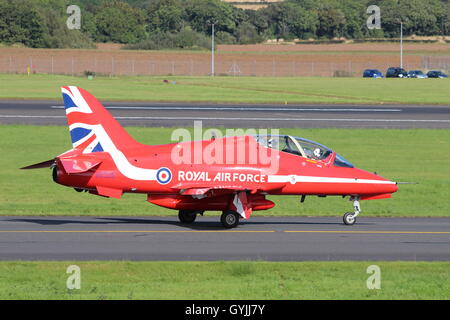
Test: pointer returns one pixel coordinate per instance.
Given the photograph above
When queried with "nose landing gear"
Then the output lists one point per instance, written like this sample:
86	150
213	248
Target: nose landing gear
350	217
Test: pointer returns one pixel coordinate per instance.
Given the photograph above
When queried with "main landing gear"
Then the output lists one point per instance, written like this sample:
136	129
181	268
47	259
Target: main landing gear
229	218
350	217
188	216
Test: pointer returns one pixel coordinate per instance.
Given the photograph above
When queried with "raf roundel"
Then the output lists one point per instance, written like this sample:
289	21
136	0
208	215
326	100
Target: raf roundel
163	175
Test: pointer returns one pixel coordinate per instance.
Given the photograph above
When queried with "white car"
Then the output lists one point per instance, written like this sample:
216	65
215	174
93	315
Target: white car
417	74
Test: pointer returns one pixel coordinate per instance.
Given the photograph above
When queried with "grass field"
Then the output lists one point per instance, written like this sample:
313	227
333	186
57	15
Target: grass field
225	280
234	89
401	155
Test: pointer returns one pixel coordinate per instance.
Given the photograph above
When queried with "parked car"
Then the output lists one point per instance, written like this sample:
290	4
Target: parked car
372	73
417	74
436	74
394	72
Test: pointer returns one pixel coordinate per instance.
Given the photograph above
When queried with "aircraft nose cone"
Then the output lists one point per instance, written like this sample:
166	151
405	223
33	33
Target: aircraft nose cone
384	185
392	187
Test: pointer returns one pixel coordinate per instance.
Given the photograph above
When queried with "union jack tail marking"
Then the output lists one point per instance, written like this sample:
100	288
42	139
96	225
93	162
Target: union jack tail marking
92	128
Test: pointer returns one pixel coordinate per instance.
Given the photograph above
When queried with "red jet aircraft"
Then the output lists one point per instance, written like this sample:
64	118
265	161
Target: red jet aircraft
106	161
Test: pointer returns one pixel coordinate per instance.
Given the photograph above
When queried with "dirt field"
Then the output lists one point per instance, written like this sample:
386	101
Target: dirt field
410	48
246	60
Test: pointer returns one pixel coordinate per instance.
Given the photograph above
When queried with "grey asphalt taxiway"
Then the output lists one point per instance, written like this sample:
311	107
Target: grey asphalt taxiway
39	112
260	238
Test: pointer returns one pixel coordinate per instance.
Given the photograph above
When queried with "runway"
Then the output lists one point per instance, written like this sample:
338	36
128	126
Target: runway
260	238
37	112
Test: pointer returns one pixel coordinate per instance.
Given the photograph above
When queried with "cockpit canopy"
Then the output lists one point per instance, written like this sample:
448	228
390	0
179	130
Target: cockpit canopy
301	147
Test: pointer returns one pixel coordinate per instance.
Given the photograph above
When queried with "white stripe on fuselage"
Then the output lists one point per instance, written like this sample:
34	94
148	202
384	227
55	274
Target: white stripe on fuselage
121	162
295	179
126	168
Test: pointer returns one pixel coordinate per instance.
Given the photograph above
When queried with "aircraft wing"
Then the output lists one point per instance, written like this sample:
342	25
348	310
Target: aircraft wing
207	191
201	190
194	191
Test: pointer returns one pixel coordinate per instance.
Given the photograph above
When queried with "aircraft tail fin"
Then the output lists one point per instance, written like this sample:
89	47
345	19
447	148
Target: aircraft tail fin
92	127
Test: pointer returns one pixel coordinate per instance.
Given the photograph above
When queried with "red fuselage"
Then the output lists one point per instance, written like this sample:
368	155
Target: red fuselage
207	186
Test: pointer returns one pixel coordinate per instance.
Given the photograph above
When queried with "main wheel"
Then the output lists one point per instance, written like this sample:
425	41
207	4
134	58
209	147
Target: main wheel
349	218
187	216
229	219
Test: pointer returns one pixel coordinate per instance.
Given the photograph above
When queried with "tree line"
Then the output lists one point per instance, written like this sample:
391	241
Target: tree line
157	24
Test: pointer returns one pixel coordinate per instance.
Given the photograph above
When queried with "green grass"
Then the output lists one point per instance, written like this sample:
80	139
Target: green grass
225	280
416	155
234	89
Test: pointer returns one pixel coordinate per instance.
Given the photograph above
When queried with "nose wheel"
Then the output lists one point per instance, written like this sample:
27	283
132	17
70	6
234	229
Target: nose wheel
350	217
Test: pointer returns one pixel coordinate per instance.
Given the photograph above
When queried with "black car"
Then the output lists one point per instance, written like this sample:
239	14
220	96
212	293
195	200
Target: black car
436	74
396	73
